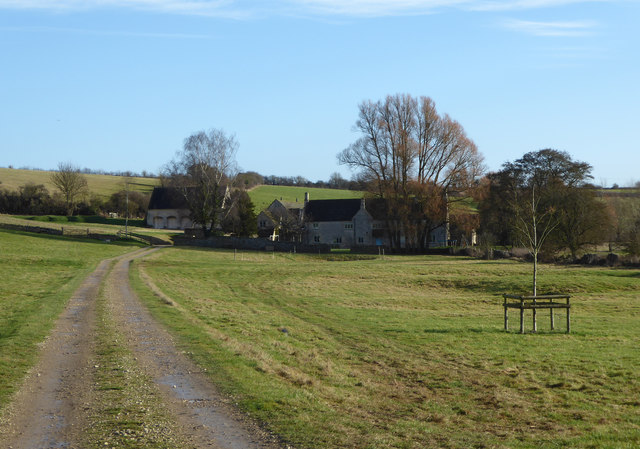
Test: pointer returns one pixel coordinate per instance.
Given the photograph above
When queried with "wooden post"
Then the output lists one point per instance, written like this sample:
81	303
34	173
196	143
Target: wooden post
551	311
522	316
568	316
535	323
506	316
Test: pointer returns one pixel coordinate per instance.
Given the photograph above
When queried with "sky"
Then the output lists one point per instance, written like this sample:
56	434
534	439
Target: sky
118	85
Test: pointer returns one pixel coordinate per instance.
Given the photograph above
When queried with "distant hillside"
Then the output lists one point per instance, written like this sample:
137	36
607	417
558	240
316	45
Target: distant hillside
262	196
102	185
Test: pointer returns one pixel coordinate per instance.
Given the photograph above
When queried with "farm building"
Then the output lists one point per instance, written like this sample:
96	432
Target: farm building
341	223
168	210
281	221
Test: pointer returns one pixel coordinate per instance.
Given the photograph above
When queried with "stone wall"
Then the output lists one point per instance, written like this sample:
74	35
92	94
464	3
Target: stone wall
249	244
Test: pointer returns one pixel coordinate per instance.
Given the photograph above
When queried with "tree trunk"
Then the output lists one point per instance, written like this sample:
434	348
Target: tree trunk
535	272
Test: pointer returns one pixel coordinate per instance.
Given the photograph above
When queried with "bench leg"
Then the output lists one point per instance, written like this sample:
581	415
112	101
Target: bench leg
552	323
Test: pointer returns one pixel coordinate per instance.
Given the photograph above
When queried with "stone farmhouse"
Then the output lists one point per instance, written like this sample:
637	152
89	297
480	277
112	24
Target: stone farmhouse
341	223
168	210
282	220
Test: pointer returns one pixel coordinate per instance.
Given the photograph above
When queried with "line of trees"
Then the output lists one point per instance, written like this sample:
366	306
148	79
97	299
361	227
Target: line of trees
35	199
72	196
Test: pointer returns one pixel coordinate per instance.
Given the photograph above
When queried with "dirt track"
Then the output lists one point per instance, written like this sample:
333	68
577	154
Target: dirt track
51	410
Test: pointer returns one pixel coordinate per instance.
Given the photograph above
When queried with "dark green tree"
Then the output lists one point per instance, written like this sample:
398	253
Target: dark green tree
533	199
241	219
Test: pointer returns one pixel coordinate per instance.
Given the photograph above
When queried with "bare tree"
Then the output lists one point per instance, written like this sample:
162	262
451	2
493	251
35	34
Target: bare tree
71	183
203	172
414	158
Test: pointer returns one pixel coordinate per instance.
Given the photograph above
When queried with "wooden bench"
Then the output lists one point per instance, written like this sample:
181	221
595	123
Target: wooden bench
534	303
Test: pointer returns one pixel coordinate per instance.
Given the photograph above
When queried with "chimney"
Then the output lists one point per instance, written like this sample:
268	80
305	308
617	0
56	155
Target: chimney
306	197
362	204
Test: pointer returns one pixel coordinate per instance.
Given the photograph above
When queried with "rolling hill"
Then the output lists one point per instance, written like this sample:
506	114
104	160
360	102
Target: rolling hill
102	185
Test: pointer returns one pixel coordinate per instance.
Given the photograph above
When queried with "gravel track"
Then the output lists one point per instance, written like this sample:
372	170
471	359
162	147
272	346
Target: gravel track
51	408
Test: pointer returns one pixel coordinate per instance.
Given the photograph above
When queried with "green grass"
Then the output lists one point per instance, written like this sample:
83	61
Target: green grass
79	219
101	185
96	225
39	275
407	352
262	196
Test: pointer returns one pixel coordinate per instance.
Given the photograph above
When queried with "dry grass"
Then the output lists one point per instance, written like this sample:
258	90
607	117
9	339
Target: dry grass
101	185
406	352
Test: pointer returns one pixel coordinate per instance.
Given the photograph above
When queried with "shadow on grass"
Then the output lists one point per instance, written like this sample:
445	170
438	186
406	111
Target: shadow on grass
44	236
465	330
78	219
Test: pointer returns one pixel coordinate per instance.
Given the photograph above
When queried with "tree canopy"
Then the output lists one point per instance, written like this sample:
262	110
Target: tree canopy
412	157
71	183
202	172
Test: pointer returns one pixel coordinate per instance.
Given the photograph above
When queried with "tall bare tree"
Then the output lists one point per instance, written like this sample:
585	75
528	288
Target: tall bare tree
71	183
414	158
202	173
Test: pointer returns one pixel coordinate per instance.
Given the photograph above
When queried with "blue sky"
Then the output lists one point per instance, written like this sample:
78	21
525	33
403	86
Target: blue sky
118	84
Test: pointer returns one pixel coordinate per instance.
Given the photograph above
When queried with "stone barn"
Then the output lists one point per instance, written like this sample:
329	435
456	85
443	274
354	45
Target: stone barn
168	210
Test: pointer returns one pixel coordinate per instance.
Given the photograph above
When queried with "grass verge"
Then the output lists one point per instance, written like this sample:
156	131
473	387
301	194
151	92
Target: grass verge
39	275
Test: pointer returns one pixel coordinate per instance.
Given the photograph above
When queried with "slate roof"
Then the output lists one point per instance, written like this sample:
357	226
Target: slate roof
167	198
332	210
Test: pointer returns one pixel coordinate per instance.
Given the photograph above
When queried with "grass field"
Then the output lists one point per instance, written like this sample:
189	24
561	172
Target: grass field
94	224
406	352
262	196
39	274
101	185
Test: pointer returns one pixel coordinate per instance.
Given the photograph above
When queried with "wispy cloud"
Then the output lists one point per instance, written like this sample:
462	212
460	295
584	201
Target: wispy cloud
215	8
375	8
552	29
95	32
513	5
247	8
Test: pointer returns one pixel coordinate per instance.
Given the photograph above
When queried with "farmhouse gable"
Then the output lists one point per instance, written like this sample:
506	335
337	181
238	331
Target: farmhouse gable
168	210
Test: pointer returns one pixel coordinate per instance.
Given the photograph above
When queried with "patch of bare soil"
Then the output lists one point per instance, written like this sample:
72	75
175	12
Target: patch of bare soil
54	406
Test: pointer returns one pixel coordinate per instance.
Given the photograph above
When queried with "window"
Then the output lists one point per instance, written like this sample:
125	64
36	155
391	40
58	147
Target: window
316	238
338	239
348	226
315	226
360	239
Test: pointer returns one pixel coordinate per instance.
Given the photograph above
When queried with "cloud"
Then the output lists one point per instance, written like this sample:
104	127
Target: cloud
375	8
117	33
512	5
552	29
216	8
240	9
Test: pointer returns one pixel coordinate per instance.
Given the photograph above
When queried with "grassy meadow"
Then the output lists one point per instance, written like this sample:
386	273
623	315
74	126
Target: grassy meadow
101	185
406	352
39	275
79	224
262	196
